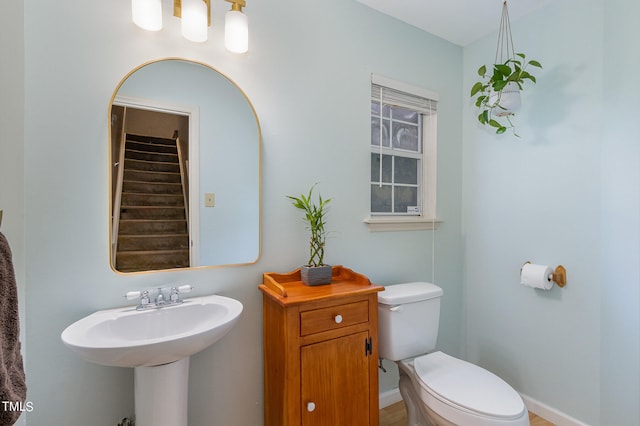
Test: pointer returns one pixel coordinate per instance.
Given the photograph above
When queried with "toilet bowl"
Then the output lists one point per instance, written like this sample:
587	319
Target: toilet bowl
438	389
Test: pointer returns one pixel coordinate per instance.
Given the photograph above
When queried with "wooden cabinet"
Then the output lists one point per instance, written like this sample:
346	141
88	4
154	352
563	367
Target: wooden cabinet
320	350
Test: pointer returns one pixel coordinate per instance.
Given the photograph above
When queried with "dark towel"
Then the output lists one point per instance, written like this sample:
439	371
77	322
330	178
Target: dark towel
12	383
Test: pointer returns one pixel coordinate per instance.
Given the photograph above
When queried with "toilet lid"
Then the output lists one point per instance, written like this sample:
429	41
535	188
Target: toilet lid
460	383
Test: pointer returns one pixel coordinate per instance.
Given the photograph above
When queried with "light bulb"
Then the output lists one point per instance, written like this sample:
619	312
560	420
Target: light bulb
147	14
195	20
236	31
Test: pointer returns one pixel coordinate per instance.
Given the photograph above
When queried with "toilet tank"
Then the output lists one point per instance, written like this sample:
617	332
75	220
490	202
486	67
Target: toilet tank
408	316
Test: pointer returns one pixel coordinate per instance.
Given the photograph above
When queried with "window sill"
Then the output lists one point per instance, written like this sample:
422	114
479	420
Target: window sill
410	223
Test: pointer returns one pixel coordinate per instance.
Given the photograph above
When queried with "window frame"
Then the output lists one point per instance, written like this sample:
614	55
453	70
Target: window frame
427	219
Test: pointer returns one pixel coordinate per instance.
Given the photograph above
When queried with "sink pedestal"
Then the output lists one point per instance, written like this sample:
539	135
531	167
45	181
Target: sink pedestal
161	394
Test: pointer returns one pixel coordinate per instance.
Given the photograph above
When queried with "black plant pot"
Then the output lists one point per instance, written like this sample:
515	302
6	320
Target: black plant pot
316	275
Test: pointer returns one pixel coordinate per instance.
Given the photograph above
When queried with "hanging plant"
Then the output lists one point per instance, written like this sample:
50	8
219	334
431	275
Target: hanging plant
497	94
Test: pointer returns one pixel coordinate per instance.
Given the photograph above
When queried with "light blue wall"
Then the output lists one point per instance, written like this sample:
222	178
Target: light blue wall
566	193
308	76
620	189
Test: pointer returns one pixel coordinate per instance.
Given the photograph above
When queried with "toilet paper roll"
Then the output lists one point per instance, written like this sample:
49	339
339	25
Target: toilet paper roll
536	276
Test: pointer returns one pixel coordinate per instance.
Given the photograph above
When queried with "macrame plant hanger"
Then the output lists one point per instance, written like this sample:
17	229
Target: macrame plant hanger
504	47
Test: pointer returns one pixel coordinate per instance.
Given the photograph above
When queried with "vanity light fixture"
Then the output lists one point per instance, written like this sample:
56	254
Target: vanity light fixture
195	19
147	14
236	28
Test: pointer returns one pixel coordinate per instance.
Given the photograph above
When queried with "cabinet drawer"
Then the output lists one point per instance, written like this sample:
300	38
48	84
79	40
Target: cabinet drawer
333	317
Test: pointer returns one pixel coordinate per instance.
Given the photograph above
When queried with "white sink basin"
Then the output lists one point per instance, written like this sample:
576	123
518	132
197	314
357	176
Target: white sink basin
124	337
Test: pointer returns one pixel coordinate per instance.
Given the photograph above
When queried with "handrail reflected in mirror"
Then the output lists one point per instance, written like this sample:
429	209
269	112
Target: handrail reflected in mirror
185	170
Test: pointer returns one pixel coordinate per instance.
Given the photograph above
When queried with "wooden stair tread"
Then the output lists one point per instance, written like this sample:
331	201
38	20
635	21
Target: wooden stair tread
138	220
153	235
156	194
151	207
154	252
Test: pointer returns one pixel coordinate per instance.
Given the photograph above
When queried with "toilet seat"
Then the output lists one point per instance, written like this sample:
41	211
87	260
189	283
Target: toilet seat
462	389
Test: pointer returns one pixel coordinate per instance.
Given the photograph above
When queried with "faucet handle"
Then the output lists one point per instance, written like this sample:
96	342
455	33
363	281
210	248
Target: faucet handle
185	288
175	292
130	295
144	298
174	297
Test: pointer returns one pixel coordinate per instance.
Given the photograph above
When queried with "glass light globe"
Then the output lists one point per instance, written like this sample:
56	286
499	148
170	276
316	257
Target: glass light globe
236	31
147	14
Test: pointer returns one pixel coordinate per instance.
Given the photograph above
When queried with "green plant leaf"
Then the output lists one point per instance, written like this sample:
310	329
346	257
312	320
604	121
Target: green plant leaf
514	77
478	87
499	85
501	130
528	76
521	55
535	64
482	71
516	62
504	69
494	123
480	100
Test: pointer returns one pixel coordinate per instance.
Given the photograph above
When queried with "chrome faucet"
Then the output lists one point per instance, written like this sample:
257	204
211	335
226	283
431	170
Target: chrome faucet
160	299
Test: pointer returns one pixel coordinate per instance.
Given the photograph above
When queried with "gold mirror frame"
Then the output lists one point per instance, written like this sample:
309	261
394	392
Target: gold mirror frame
115	163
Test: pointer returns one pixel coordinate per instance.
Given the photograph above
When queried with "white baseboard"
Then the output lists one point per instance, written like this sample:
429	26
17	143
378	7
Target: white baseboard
549	413
389	397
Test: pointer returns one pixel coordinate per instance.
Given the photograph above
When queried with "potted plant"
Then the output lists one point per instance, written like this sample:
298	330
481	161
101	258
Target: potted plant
315	272
498	93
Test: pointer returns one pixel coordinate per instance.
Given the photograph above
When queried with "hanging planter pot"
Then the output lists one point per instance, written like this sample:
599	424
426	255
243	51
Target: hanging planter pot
506	102
497	94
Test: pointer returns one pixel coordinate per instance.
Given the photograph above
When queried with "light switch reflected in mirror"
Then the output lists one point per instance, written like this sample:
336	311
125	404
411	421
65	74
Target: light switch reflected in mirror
185	162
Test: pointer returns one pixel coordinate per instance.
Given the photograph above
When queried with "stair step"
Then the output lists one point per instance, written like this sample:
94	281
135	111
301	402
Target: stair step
152	227
152	147
151	166
152	200
151	260
151	212
152	242
152	176
152	187
150	139
150	156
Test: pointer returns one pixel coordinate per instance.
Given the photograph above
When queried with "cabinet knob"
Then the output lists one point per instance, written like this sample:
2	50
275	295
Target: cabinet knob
311	406
338	319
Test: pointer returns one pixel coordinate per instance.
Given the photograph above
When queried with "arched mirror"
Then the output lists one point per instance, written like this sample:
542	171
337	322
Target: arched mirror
185	161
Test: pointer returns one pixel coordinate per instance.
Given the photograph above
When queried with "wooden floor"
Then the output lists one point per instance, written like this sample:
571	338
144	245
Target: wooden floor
395	415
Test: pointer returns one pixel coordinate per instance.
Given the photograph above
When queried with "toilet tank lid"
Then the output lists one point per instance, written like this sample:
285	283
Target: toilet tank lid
398	294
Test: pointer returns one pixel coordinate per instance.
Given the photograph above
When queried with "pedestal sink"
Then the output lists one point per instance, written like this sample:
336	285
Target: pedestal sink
157	343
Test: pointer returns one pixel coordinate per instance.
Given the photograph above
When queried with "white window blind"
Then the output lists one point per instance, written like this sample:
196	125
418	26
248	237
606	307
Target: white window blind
402	95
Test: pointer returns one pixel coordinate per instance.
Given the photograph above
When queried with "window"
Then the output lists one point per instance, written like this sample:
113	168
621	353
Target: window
403	156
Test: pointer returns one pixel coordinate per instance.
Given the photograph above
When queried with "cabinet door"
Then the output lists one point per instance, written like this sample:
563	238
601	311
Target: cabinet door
335	382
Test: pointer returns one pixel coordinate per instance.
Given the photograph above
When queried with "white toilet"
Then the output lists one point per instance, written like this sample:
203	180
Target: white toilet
439	389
